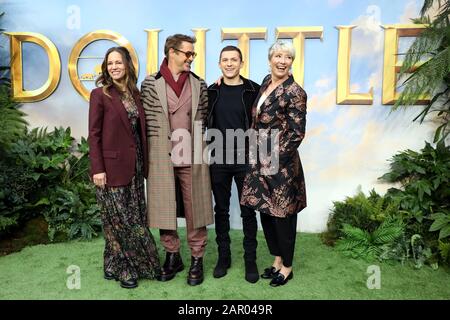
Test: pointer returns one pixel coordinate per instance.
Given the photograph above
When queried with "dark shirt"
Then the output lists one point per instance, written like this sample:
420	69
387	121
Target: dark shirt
229	112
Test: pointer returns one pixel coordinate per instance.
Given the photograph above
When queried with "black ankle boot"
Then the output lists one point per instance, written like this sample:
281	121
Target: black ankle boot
223	263
172	265
251	271
195	275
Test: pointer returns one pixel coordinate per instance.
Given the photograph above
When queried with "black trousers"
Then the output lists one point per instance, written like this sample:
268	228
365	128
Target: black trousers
221	180
280	236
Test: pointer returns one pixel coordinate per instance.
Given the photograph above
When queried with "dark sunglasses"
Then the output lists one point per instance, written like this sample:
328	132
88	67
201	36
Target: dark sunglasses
188	54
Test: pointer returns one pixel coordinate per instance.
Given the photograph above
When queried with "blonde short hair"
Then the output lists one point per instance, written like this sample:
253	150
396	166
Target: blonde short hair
281	45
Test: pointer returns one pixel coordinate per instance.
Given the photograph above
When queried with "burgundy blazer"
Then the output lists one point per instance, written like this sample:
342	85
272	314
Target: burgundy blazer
112	147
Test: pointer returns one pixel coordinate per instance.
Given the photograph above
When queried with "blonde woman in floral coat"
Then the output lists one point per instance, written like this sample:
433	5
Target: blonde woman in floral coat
280	113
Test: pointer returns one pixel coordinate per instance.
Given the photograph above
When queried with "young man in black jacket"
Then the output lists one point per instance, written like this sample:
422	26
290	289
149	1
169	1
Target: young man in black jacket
230	109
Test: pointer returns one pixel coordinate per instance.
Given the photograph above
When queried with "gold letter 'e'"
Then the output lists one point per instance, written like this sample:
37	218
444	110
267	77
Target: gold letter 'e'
83	43
392	33
54	66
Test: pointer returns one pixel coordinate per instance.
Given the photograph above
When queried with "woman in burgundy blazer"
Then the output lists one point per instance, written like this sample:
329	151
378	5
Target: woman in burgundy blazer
112	147
118	156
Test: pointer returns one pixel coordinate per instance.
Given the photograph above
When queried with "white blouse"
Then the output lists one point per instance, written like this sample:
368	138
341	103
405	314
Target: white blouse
260	102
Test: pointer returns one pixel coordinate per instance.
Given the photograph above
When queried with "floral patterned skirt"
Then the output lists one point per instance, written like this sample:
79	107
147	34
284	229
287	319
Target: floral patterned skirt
130	249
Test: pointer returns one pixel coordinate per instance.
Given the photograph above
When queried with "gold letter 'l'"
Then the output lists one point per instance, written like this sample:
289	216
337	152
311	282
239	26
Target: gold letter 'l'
54	66
343	94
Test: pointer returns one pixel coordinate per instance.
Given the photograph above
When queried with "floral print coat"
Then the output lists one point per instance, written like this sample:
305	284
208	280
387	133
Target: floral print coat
280	192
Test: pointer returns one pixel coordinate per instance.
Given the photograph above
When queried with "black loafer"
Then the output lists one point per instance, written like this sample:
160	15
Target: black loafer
270	273
280	280
129	284
109	276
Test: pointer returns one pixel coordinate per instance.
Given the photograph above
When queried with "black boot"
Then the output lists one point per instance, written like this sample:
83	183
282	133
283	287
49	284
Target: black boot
195	275
223	263
251	271
172	265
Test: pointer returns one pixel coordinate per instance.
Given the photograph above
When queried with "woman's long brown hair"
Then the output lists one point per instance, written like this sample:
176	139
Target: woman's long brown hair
105	79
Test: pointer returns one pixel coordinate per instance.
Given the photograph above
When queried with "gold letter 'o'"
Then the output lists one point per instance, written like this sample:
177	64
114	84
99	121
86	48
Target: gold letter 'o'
83	43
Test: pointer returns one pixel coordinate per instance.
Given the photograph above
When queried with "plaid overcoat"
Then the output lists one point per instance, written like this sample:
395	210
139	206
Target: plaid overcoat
161	187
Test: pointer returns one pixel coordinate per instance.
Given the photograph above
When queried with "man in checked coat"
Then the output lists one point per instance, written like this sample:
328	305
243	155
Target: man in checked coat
175	102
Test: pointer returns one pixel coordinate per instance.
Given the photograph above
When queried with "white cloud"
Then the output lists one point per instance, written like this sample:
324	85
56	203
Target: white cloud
323	102
348	114
335	3
368	36
375	80
323	99
315	132
366	142
357	159
367	48
323	83
410	11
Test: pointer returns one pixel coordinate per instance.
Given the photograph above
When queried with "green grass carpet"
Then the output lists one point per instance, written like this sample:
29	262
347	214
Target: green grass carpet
39	272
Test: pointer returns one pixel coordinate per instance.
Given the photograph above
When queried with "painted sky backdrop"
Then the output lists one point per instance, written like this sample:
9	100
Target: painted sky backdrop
345	146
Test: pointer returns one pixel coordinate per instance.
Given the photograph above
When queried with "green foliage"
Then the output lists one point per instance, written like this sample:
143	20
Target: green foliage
359	243
12	123
421	253
444	250
67	199
16	188
399	251
72	211
423	197
420	203
57	168
441	223
359	211
431	51
53	156
43	174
